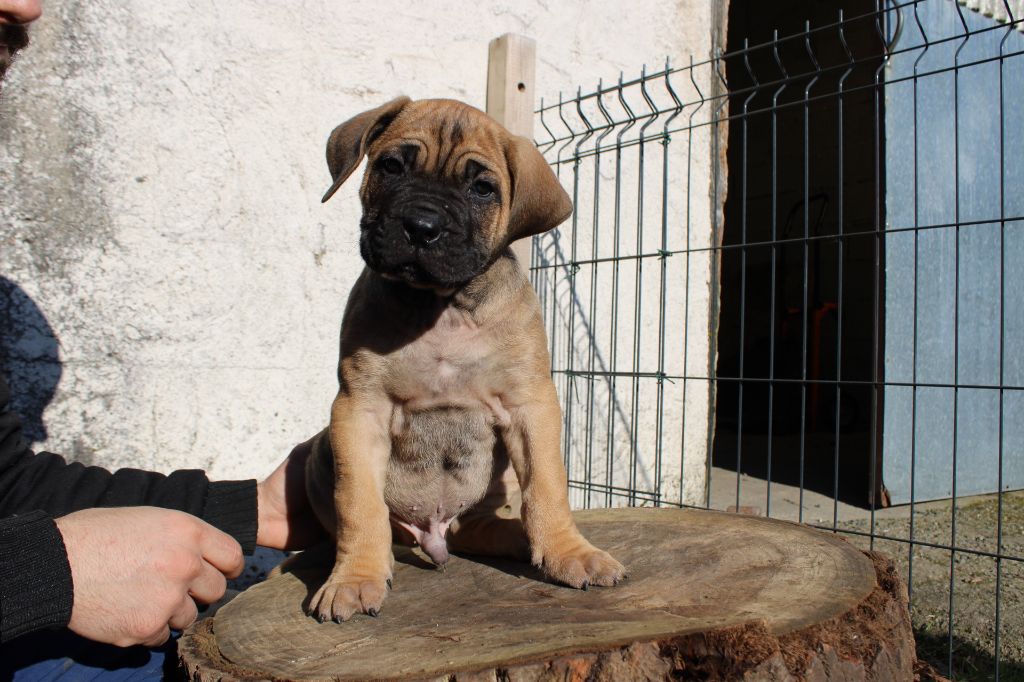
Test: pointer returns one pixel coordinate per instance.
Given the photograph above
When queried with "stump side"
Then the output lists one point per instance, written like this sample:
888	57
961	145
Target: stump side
867	636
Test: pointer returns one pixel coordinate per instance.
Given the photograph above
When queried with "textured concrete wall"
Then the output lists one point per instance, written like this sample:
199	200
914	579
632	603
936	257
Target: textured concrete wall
171	286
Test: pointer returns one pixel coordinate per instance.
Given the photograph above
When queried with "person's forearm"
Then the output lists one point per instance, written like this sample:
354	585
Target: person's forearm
232	507
46	482
36	590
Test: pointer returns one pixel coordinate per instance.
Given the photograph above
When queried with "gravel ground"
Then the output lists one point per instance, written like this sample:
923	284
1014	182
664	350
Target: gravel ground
973	585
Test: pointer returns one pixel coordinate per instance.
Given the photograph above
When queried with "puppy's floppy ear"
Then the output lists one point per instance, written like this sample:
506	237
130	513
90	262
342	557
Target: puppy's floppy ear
348	142
538	201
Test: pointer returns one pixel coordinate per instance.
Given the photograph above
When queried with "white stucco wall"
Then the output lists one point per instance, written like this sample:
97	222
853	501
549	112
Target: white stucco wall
161	168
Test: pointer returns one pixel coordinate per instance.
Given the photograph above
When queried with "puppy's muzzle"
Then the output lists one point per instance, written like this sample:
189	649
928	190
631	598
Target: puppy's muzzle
423	225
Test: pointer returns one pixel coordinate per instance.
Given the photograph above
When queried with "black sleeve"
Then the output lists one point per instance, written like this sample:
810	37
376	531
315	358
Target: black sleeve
35	580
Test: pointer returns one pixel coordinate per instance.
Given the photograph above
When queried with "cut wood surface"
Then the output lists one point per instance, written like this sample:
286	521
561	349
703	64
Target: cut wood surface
709	595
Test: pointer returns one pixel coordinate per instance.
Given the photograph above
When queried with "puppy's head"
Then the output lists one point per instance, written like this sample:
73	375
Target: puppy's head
446	189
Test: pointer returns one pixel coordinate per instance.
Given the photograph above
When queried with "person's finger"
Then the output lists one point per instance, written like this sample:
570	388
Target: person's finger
222	551
209	585
184	615
158	638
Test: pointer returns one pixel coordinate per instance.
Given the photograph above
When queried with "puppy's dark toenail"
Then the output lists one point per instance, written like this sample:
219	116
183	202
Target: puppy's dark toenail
372	612
585	587
389	583
337	619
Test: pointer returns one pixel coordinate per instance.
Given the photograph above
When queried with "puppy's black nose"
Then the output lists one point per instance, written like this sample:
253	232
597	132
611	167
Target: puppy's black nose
423	225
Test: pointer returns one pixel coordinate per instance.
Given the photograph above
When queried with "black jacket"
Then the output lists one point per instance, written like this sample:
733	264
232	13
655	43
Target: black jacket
35	580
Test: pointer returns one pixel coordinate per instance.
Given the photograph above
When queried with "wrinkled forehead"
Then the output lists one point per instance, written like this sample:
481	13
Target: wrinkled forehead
443	136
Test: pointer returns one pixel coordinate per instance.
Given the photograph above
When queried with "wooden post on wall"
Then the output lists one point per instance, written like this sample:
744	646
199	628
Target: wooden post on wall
511	66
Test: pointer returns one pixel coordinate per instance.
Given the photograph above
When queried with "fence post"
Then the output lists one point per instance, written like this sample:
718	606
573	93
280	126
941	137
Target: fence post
511	65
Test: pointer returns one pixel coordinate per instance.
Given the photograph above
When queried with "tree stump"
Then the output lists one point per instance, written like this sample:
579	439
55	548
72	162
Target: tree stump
710	596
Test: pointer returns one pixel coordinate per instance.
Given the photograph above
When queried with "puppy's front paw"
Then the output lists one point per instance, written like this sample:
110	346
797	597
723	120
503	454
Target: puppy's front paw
582	565
346	592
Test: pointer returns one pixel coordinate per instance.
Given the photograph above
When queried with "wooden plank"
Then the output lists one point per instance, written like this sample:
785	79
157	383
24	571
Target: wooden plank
511	69
709	596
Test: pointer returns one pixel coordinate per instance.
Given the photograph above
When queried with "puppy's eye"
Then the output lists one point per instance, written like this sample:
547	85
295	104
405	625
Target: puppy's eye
482	188
391	166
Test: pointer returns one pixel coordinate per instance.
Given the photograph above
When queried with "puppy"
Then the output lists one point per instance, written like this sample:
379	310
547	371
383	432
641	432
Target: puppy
446	426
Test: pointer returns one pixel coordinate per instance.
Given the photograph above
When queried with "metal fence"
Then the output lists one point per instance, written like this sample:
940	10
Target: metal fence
790	287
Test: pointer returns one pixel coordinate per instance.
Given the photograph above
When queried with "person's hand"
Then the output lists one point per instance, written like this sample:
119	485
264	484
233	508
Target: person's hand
286	521
138	571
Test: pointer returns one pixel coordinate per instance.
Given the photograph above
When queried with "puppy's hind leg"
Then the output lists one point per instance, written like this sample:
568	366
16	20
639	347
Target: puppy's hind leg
493	526
320	555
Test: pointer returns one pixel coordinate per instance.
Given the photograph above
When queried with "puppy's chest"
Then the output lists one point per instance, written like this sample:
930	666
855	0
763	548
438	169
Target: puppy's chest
455	363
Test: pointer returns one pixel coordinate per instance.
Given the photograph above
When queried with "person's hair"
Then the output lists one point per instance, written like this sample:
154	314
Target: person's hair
13	37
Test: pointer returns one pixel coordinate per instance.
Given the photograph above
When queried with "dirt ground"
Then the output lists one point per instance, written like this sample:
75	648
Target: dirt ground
973	585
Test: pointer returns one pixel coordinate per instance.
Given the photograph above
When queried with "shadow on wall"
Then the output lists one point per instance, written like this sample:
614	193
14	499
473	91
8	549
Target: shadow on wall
29	357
